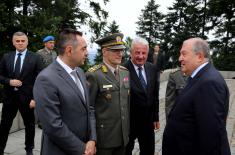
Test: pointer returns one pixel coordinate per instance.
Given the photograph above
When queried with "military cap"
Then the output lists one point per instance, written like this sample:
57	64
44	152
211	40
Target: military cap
113	41
48	38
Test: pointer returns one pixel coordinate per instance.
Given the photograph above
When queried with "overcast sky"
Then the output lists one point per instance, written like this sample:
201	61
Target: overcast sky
126	13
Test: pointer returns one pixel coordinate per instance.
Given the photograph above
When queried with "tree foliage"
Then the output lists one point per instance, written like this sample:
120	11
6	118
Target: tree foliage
209	19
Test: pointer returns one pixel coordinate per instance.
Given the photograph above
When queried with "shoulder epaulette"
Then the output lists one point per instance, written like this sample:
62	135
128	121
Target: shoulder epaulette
122	67
94	68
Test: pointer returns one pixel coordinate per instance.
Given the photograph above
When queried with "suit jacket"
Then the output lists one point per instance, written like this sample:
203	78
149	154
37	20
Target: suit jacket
68	121
197	123
143	105
32	65
110	98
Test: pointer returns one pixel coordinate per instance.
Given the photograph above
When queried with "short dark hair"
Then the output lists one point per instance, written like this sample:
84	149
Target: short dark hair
67	36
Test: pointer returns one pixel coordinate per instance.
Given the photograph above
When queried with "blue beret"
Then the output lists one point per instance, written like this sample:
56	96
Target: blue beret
48	38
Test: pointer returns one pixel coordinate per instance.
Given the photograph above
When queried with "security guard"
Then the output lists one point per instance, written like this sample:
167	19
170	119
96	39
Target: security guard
109	92
47	53
176	83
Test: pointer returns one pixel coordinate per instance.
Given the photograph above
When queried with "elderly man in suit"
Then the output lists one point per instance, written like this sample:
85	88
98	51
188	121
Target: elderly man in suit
197	122
109	93
144	99
62	99
18	71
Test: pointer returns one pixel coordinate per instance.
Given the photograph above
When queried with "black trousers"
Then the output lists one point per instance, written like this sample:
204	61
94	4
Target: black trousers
9	111
146	139
111	151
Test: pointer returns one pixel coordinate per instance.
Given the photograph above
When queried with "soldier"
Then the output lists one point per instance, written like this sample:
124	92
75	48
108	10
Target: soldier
175	85
47	53
109	92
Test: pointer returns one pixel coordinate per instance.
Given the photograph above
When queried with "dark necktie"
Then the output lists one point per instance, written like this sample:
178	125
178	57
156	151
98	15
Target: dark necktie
141	77
17	66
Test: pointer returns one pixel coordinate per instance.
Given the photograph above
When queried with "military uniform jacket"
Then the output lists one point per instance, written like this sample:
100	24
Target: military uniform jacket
111	101
47	57
175	85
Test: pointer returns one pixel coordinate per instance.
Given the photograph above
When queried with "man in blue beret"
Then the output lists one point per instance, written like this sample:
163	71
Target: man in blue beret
47	53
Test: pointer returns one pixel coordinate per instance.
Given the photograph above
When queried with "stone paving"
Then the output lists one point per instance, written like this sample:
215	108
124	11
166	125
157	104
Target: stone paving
15	145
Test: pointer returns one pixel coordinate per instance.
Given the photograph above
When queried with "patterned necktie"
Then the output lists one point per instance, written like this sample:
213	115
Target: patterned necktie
141	77
17	66
78	83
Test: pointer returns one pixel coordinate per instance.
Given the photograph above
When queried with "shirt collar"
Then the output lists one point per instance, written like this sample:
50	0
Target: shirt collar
112	69
198	69
137	67
22	53
68	69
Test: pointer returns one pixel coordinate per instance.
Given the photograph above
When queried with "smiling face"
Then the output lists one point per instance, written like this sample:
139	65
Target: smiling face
189	59
139	54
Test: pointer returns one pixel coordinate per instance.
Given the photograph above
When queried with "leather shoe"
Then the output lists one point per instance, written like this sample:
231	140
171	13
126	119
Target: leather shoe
29	152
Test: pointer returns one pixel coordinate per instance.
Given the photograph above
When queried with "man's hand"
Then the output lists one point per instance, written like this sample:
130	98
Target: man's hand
15	83
156	125
32	104
90	148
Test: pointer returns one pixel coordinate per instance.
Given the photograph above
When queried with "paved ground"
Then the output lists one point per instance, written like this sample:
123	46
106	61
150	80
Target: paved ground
15	145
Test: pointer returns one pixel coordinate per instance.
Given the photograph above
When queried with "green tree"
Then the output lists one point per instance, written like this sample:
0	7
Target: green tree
222	15
185	19
150	23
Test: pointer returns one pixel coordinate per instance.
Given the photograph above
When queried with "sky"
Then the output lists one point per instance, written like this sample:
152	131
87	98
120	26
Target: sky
125	13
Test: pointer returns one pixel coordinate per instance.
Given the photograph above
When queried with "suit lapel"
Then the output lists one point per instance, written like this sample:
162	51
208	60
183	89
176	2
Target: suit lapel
110	76
147	73
70	81
135	76
11	62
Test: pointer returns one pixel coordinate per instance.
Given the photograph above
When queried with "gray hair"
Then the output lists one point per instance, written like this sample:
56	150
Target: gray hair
200	45
19	34
141	41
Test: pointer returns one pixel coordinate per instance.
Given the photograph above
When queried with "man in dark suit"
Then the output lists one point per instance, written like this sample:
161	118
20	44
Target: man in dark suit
144	99
18	71
62	101
197	122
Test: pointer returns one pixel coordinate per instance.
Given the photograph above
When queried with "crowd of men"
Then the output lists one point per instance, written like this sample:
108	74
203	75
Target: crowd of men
104	110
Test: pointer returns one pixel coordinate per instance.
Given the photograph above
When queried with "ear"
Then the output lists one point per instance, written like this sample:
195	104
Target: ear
104	51
68	50
200	56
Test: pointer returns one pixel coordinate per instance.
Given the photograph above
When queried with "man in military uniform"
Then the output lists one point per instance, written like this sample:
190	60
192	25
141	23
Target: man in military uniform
47	53
109	92
176	82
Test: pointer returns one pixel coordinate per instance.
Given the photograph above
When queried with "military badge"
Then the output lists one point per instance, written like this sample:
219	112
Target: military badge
126	79
118	39
104	69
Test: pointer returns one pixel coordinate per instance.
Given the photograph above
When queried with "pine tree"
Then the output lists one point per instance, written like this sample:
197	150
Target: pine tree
150	23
